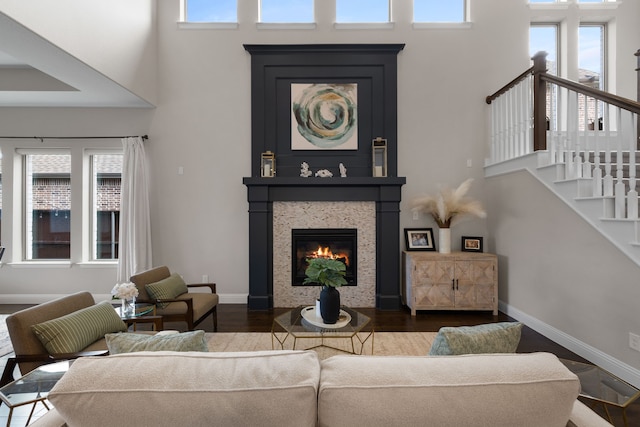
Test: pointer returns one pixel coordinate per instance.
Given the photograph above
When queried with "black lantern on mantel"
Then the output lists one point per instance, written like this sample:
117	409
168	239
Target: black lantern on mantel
379	157
267	164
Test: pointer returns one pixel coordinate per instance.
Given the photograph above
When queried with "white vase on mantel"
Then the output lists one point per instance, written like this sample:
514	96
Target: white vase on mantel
444	240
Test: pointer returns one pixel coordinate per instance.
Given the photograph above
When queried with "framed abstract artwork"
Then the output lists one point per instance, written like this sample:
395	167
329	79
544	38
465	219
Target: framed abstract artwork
324	116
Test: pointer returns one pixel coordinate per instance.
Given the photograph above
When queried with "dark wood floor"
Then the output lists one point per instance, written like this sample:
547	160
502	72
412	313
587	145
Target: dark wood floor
236	318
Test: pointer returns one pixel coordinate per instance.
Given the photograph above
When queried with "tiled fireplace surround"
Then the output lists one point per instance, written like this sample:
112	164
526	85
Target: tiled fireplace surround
291	215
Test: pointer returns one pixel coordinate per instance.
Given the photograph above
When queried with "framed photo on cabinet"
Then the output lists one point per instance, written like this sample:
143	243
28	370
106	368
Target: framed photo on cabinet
419	239
471	244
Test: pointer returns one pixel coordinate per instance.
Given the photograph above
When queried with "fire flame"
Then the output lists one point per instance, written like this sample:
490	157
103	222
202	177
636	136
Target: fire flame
326	253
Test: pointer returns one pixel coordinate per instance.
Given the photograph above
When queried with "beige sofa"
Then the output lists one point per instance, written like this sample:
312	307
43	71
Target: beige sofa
294	388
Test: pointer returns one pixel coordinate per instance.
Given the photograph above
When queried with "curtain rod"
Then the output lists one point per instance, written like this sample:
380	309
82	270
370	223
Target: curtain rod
42	138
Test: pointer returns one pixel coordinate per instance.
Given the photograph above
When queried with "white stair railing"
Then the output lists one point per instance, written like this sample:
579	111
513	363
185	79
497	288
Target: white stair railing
591	134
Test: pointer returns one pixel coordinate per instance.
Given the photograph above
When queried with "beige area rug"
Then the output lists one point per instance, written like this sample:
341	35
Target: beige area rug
384	343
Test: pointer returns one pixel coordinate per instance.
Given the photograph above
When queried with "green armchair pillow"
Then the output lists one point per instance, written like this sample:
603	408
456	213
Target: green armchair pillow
502	337
75	331
168	288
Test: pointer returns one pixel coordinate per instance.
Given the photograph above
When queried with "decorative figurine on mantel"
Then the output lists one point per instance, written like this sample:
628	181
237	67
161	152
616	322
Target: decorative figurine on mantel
304	170
343	171
324	173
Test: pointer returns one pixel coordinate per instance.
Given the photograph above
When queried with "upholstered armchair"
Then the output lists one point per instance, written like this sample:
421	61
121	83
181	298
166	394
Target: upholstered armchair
61	329
173	300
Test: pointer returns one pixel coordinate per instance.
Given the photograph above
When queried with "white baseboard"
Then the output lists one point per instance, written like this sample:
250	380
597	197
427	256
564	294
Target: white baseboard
592	354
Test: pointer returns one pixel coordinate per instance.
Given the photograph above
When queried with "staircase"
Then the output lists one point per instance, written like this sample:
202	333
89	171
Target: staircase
598	210
545	125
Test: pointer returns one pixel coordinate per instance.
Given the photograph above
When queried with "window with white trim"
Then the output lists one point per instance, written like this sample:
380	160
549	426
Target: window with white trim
211	11
363	11
106	178
47	202
70	209
286	11
439	11
591	55
544	38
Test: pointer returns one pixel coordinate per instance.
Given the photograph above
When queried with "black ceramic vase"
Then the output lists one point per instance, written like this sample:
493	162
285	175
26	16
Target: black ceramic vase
329	304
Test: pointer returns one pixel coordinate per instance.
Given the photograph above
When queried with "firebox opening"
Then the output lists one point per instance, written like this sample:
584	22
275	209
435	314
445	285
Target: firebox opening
337	243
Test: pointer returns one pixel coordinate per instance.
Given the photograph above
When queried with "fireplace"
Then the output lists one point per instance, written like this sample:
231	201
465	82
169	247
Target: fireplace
289	201
340	244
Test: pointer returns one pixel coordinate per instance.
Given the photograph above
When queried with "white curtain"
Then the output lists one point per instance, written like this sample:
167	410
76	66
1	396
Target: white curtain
135	227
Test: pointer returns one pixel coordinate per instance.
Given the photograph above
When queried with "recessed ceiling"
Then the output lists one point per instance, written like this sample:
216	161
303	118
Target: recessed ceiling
36	73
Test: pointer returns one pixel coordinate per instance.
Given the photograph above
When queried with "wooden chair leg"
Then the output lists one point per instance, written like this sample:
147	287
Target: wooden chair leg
7	374
215	319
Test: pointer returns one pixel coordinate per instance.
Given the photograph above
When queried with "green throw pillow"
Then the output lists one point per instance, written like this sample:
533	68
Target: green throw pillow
490	338
75	331
168	288
128	342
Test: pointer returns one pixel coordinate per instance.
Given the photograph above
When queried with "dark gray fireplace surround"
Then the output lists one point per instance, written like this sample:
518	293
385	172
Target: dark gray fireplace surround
274	68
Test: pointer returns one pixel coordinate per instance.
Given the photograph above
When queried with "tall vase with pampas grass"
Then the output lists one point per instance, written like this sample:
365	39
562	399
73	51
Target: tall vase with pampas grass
448	207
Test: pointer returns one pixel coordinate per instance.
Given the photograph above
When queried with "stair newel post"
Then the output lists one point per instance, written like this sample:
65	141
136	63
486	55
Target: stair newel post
539	102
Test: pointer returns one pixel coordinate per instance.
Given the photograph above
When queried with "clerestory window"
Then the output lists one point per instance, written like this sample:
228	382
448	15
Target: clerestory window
286	11
363	11
439	11
211	11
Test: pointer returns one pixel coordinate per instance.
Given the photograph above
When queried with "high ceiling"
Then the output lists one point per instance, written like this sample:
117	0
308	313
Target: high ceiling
36	73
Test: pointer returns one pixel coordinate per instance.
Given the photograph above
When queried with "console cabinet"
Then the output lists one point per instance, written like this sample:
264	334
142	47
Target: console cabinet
455	281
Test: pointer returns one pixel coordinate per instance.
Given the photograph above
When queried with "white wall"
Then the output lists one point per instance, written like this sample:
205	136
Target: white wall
560	275
202	123
116	37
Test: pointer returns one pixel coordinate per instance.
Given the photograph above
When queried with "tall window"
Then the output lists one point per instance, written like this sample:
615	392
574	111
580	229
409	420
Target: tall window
286	11
363	11
591	55
438	10
544	38
211	10
106	172
47	203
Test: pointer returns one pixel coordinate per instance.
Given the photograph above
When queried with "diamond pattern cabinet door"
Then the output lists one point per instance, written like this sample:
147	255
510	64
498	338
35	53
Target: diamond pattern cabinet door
434	284
475	283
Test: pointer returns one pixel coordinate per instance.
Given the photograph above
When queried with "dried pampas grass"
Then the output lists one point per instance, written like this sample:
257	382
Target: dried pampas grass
449	206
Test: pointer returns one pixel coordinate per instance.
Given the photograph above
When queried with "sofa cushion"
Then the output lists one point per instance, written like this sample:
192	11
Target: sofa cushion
495	390
128	342
502	337
168	288
270	388
201	303
73	332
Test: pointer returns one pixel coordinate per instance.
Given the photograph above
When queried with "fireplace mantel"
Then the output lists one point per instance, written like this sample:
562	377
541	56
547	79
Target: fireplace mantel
386	192
324	189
